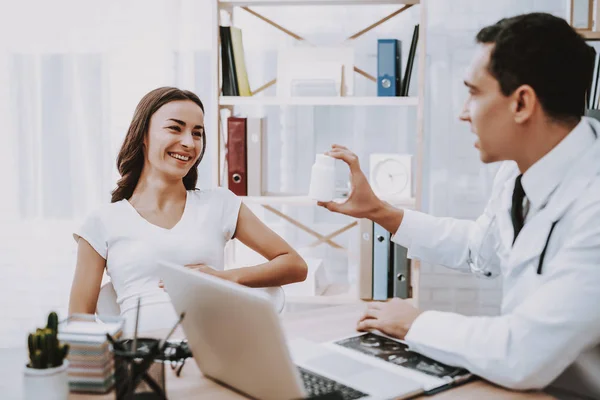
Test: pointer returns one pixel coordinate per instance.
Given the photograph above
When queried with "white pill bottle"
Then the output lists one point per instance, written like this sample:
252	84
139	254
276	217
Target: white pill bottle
322	179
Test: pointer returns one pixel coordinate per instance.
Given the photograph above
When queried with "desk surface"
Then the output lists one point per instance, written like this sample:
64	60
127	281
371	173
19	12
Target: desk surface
318	325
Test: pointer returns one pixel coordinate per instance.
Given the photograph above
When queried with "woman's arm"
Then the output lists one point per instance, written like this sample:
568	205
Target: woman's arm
87	280
284	266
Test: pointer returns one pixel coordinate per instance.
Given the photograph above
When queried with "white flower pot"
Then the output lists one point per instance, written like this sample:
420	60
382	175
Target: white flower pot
48	384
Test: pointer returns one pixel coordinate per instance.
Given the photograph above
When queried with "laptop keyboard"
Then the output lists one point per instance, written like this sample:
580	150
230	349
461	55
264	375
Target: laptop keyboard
317	385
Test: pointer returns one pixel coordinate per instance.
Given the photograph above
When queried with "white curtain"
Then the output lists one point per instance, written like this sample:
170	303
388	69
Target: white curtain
59	150
71	74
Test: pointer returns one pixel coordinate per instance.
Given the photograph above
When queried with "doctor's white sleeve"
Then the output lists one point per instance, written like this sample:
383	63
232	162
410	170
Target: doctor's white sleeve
542	336
446	241
443	241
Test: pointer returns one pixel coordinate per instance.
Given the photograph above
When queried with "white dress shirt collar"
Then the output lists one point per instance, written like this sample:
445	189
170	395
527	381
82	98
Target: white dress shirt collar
540	180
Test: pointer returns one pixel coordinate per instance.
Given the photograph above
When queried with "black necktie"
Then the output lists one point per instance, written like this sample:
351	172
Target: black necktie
516	211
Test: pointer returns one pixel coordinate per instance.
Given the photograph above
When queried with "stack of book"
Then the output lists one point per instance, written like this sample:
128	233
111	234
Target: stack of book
91	365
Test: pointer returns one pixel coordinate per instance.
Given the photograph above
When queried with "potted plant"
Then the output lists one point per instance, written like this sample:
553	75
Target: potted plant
46	373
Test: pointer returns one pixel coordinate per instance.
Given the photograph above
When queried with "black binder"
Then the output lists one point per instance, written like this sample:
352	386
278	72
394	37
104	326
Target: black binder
409	63
230	84
399	279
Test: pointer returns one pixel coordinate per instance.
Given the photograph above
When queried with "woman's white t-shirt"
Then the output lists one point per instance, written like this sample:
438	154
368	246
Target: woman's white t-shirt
132	247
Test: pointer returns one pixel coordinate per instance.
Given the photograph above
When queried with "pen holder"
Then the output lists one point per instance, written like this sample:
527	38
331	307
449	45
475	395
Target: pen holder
138	374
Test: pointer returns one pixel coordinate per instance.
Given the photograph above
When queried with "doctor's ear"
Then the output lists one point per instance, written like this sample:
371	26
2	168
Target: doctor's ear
524	101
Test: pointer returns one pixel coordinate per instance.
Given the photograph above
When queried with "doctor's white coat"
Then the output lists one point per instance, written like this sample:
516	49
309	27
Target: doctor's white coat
549	328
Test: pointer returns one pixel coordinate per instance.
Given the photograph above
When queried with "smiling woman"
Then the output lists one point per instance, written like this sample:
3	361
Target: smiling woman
155	122
157	214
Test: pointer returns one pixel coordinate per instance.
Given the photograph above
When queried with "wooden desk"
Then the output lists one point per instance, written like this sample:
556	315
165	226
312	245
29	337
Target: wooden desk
318	325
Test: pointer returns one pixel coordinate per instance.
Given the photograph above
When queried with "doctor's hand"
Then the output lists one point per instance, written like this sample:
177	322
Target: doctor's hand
361	202
393	317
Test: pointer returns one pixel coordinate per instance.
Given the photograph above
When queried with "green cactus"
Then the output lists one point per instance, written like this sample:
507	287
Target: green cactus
53	321
36	359
44	349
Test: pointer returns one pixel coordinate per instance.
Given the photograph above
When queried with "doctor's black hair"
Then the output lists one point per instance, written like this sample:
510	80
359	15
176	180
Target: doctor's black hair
544	52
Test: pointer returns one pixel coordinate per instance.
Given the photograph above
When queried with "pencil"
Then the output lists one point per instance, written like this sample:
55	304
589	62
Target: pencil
135	332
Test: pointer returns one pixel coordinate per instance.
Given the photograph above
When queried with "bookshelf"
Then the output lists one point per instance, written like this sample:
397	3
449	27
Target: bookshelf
318	101
590	30
249	3
307	201
335	293
590	35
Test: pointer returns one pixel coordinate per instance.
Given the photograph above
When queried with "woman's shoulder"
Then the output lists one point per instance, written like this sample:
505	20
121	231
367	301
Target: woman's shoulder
98	224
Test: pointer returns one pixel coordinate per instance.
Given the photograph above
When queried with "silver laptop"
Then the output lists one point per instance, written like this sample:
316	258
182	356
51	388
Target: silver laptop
236	337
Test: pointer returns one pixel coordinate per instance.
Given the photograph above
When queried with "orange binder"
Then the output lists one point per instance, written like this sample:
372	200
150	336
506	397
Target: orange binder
236	156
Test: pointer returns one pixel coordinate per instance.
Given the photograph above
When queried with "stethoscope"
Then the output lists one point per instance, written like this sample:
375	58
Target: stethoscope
543	254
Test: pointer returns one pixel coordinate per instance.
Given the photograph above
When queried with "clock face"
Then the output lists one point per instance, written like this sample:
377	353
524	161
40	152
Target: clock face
390	177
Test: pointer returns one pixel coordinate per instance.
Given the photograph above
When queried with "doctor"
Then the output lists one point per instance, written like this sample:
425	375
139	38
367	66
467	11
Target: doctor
540	231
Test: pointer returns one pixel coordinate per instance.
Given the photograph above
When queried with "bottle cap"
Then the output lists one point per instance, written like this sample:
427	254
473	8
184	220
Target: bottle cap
325	160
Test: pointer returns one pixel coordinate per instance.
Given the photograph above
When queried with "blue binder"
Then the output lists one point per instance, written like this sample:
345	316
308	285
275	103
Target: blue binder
389	67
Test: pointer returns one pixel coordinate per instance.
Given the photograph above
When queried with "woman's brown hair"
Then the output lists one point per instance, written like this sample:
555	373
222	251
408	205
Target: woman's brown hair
130	160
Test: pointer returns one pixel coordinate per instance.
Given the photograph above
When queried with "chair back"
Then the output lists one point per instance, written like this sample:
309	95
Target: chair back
107	301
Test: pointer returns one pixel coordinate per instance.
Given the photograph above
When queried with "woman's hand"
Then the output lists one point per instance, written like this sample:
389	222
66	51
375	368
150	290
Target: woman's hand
207	270
284	264
202	268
